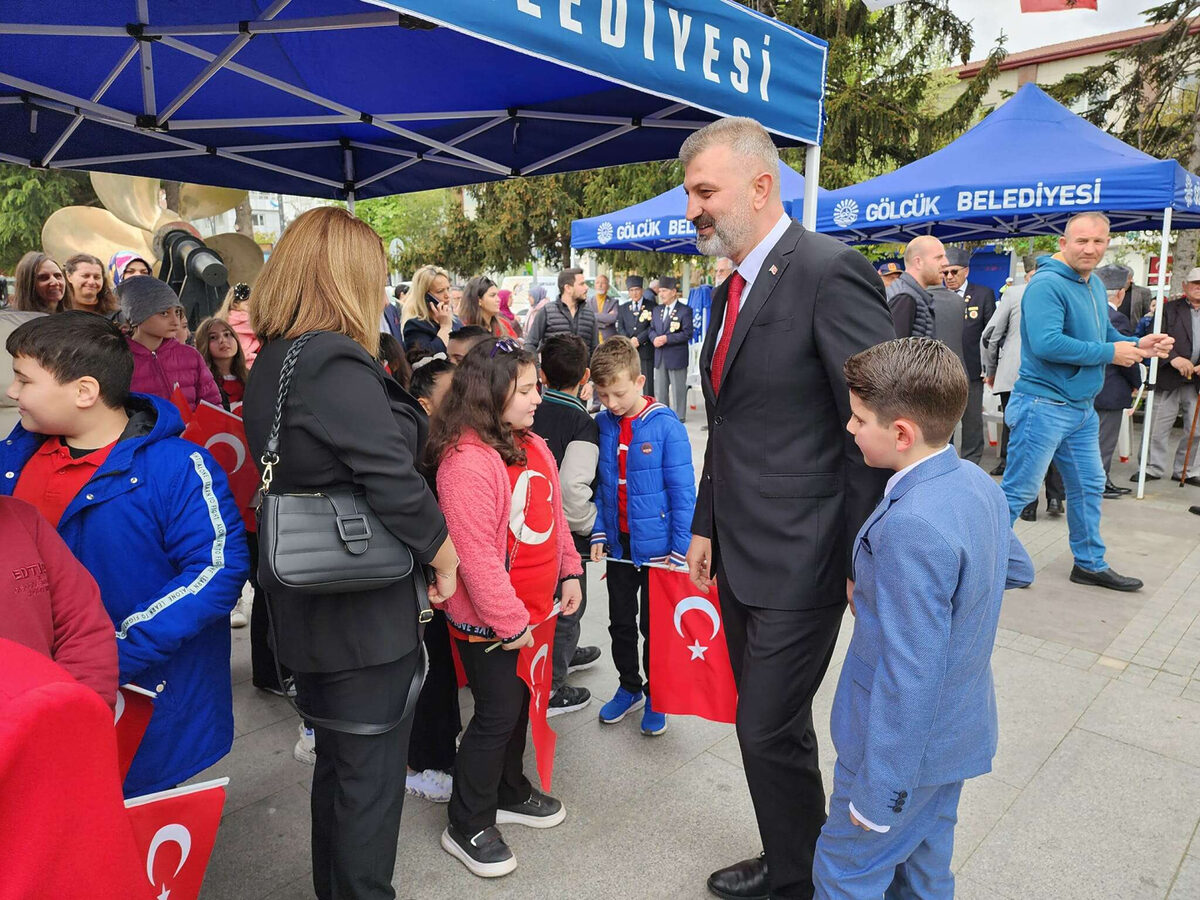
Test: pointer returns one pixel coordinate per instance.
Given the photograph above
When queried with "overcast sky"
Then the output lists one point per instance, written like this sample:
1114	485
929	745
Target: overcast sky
1029	30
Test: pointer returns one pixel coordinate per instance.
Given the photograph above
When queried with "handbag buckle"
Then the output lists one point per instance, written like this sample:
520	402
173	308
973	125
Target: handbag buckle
425	616
353	529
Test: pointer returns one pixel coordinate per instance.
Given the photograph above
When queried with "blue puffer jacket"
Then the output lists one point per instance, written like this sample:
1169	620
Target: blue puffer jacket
661	487
158	529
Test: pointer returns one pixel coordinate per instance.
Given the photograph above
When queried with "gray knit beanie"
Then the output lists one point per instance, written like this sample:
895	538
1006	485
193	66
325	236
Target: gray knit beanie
145	296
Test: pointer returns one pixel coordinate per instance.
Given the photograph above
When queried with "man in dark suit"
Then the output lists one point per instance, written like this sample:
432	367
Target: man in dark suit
979	303
784	488
634	319
1119	381
670	334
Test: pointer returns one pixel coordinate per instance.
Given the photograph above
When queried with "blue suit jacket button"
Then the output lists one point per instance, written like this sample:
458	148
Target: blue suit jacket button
897	808
902	794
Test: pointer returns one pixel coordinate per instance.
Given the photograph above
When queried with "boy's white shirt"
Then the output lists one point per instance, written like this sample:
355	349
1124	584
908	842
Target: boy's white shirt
887	490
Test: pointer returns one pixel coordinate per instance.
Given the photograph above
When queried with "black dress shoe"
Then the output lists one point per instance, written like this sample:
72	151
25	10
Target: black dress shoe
1111	492
1134	477
1194	510
1194	481
1029	513
1054	508
999	470
1106	578
746	880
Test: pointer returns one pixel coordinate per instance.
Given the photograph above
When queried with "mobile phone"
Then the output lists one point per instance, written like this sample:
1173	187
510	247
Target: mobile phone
432	301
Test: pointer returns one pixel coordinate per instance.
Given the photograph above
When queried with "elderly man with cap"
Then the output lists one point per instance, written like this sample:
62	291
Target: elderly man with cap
889	272
1176	386
1120	382
979	305
633	321
671	333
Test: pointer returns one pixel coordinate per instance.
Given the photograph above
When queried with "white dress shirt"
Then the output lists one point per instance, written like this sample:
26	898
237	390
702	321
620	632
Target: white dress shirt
752	264
887	490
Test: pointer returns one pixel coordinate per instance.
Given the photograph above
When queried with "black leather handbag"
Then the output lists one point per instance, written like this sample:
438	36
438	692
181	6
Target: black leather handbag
324	542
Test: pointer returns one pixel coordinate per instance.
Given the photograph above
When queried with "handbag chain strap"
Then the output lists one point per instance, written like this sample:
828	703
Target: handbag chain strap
270	455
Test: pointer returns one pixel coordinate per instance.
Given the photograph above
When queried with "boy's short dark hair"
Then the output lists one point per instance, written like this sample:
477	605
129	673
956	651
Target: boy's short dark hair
564	360
424	376
913	378
470	331
616	355
75	343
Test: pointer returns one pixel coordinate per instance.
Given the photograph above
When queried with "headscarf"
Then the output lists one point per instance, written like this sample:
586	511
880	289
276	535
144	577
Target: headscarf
120	261
537	293
505	297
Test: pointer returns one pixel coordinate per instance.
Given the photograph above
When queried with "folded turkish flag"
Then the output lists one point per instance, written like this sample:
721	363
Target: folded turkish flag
536	668
690	672
223	435
135	706
1028	6
175	832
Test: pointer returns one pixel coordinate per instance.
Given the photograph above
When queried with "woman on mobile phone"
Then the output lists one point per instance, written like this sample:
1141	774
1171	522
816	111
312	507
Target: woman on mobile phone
428	315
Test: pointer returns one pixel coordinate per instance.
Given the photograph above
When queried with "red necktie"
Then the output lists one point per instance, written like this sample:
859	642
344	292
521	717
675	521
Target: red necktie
732	301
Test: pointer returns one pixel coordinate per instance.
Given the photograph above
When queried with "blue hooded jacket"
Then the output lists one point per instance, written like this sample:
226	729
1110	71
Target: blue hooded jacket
159	531
1066	336
660	487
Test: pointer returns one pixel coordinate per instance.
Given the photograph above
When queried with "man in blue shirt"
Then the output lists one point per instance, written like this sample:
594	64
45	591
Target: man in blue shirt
1066	342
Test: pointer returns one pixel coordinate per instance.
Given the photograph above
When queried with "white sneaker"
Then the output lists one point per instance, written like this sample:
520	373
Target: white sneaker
429	785
306	748
238	617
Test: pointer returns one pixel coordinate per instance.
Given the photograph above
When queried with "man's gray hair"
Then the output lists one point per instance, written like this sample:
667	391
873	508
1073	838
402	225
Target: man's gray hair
744	136
1090	214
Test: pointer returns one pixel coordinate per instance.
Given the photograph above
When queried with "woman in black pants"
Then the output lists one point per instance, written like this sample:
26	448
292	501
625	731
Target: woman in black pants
346	424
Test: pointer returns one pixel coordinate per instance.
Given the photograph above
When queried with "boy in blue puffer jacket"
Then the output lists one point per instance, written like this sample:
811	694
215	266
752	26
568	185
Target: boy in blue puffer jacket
645	495
151	518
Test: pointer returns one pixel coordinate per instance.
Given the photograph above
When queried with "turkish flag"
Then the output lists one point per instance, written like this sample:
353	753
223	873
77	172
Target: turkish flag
1028	6
181	404
175	832
536	668
223	435
135	706
689	660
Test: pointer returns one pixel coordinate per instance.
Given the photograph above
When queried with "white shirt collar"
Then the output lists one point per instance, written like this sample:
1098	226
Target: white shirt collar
754	260
895	479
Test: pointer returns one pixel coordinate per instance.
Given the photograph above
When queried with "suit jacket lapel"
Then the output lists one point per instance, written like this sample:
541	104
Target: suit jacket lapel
763	285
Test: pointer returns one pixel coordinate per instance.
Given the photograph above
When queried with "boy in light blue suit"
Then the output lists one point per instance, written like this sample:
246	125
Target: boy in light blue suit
915	710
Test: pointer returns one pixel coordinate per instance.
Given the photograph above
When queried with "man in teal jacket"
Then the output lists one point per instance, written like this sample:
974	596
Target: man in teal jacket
1066	342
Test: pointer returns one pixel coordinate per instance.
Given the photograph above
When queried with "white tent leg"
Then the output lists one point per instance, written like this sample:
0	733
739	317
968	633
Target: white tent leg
812	175
1148	416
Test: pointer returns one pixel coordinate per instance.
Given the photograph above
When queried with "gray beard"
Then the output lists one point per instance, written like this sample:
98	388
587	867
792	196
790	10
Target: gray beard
728	237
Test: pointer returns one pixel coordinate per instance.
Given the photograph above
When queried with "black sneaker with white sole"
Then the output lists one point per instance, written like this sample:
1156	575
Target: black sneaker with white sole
583	658
568	699
539	811
485	854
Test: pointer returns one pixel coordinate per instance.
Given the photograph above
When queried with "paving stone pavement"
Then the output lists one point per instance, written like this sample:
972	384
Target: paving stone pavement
1095	790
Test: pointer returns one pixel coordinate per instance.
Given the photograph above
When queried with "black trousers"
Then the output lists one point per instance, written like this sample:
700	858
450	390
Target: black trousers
779	658
625	584
972	424
262	657
566	628
489	771
436	719
1055	489
358	783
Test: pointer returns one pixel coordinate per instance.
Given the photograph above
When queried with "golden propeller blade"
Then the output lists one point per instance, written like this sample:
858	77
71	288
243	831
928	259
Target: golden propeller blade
131	198
199	201
88	229
241	256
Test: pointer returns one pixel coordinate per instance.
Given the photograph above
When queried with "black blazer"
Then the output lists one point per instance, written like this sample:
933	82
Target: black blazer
346	424
785	488
980	306
1177	322
1119	381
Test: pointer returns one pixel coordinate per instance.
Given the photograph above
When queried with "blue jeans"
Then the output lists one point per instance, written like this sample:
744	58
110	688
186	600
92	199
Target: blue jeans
1045	430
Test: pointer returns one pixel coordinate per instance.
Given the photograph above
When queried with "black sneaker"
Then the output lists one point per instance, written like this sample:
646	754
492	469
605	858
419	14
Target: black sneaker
485	854
1149	477
1054	508
568	699
584	658
539	811
1029	513
999	470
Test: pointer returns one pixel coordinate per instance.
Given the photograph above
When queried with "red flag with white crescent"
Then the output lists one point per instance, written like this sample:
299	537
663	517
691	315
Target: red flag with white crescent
535	665
1030	6
181	404
689	660
223	435
135	706
175	832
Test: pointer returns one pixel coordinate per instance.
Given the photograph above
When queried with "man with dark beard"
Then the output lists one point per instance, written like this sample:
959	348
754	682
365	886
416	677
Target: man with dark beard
784	489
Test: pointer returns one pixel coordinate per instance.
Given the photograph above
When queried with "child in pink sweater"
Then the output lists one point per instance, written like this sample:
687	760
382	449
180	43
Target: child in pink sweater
498	488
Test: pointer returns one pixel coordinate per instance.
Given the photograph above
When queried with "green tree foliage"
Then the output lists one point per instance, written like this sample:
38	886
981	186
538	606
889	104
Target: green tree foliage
27	198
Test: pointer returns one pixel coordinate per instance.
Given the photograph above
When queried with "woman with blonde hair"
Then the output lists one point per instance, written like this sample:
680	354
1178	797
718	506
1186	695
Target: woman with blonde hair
88	288
233	311
346	425
428	315
41	284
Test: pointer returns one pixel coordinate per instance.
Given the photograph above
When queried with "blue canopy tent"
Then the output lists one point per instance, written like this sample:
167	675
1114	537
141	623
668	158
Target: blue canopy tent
1025	169
658	224
346	100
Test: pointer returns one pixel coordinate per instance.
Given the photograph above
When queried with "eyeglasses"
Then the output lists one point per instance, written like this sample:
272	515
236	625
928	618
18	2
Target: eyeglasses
508	345
953	273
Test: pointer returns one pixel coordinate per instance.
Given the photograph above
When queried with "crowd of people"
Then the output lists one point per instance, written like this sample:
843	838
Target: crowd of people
507	454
